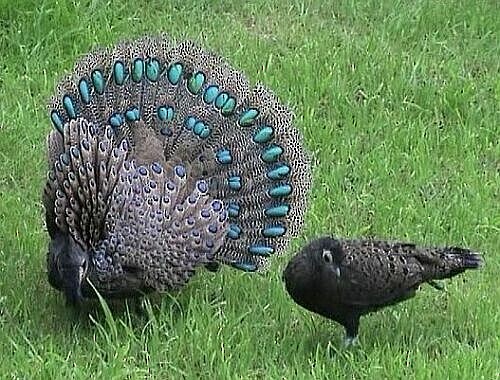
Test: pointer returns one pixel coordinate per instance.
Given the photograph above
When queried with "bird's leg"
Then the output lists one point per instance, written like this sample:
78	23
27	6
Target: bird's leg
351	329
138	306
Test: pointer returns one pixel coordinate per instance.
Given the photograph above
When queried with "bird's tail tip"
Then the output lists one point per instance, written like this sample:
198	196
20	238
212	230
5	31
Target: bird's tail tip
473	260
470	259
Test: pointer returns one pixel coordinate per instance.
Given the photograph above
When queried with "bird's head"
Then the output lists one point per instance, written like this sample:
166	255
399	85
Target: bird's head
68	266
317	261
327	254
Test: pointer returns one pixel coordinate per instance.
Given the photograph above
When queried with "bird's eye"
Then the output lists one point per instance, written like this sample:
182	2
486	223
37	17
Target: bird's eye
327	256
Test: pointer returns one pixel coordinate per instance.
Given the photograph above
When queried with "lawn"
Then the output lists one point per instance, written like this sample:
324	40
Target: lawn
399	103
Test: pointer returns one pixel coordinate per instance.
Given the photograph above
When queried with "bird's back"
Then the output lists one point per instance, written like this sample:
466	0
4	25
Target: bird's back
378	273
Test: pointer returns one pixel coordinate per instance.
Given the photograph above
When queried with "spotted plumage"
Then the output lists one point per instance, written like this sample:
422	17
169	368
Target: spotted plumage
345	279
163	159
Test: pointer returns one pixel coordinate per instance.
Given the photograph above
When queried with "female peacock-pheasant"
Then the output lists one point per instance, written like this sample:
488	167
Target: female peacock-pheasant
163	159
345	279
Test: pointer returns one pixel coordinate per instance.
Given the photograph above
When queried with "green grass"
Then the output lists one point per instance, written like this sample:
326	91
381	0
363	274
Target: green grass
400	103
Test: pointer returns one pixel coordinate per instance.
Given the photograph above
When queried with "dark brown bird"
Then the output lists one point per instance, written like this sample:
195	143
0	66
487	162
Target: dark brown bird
345	279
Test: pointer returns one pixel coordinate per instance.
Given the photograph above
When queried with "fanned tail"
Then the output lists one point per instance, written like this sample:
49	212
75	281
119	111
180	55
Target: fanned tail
178	104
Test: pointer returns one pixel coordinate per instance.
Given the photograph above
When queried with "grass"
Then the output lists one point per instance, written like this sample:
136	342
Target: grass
399	101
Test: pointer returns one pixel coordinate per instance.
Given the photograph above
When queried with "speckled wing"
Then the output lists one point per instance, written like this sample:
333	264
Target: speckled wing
154	229
378	272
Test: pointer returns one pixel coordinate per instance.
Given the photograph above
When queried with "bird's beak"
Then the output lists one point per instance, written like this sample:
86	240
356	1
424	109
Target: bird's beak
74	273
73	279
337	270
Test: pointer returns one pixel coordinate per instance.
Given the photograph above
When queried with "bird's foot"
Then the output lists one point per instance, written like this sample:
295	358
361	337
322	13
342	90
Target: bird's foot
350	341
436	285
212	266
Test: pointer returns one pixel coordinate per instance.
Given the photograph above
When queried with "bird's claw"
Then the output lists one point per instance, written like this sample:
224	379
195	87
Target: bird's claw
350	341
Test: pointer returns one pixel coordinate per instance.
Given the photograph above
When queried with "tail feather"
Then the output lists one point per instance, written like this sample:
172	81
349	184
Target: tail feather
178	104
456	260
472	260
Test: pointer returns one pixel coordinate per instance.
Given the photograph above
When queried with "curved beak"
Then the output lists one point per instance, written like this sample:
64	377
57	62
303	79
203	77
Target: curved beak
73	278
73	269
